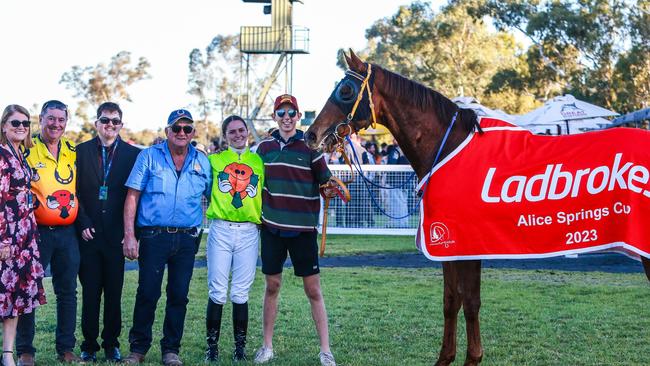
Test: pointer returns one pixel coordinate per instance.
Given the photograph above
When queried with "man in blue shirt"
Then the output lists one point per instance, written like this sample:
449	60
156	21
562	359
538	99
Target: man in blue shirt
166	185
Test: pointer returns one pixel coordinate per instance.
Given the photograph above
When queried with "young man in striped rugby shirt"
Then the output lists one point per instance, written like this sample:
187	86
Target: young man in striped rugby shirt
290	208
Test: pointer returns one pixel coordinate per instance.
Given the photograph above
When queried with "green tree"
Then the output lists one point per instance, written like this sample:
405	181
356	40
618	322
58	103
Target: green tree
93	85
451	51
86	132
144	137
632	73
214	77
106	82
592	49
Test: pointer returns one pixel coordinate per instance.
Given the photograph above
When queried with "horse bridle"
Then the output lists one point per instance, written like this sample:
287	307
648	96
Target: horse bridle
346	127
338	187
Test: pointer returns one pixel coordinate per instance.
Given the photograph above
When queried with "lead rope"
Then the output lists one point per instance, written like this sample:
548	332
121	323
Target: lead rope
333	188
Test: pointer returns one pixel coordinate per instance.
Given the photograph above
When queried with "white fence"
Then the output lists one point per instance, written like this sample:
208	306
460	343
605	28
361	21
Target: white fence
363	216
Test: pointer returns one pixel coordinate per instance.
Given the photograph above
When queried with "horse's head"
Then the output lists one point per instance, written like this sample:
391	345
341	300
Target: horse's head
348	109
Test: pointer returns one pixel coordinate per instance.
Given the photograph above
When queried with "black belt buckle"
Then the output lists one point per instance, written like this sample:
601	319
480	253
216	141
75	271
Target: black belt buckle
171	230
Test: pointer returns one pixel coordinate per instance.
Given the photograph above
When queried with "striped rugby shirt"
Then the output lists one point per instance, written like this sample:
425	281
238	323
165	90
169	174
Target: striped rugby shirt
292	174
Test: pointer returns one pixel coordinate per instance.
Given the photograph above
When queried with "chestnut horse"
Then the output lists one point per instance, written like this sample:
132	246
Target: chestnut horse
420	120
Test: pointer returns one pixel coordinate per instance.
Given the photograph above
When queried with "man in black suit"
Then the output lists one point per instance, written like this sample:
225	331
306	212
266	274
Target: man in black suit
103	165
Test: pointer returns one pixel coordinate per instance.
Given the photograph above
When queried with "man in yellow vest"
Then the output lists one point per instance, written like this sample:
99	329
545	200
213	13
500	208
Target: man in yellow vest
53	163
235	207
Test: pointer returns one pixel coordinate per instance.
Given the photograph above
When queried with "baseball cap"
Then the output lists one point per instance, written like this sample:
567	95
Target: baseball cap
174	116
285	98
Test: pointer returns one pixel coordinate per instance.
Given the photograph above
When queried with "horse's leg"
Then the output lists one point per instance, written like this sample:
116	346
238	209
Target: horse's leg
451	305
646	266
470	288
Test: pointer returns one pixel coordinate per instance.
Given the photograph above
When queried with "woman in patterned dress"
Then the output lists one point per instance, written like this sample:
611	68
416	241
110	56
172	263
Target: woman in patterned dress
21	273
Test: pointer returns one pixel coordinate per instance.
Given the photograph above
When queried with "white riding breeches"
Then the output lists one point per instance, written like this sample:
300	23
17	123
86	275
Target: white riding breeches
231	245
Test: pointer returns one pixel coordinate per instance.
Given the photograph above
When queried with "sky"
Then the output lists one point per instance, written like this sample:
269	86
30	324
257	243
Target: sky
43	39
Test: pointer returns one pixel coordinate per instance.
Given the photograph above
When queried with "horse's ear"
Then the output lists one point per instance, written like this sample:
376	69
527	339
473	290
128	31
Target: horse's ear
355	63
348	60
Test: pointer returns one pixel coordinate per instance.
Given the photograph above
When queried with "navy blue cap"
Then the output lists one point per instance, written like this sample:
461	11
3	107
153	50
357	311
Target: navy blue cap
179	114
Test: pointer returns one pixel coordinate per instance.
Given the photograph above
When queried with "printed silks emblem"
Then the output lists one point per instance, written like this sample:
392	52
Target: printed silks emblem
238	180
61	200
439	234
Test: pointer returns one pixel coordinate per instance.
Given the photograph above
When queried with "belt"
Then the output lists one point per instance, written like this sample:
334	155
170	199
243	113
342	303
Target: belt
52	227
236	223
171	230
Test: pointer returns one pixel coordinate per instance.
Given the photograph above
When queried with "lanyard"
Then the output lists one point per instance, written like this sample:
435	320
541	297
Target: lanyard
23	165
107	166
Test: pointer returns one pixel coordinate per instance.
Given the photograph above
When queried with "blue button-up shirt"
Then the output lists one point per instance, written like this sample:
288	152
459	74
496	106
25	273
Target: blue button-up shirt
167	199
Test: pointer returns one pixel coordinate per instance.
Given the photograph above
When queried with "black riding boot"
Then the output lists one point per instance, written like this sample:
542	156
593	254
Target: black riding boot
213	327
240	327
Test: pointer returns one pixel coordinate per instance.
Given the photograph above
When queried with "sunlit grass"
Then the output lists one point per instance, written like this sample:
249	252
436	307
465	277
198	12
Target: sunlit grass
340	245
394	317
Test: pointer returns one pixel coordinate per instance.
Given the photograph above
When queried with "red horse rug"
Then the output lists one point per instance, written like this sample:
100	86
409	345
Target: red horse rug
506	193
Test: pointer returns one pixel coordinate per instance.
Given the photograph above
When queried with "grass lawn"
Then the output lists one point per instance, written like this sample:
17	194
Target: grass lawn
340	245
382	316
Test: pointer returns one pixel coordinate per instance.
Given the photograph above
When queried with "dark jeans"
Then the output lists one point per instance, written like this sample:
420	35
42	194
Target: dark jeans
60	249
158	249
101	270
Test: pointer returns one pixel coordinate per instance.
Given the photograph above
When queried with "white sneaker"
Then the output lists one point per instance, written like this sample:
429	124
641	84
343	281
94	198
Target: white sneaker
327	359
263	355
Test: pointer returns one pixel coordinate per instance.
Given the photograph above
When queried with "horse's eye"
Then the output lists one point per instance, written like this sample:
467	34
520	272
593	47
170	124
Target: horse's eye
346	92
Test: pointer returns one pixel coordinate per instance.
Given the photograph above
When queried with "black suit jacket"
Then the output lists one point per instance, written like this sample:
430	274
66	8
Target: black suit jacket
106	216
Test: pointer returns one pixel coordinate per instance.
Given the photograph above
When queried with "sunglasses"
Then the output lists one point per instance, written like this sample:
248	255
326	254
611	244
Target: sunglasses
17	123
187	129
114	121
281	112
54	104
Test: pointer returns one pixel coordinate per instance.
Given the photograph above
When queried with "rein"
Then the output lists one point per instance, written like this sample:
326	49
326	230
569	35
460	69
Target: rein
368	183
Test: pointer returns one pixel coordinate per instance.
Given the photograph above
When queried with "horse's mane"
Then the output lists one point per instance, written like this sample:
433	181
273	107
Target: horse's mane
427	99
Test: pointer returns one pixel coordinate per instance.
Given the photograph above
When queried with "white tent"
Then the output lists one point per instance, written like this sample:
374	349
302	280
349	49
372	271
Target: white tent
560	110
577	125
481	110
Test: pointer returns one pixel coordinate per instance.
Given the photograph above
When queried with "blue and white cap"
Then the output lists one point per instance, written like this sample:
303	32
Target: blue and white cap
179	114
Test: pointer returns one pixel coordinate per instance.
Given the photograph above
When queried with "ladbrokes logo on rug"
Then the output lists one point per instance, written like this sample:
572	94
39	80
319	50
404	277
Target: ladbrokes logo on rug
439	234
507	193
556	183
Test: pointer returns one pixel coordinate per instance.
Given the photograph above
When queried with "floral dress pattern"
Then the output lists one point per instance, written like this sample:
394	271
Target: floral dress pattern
21	276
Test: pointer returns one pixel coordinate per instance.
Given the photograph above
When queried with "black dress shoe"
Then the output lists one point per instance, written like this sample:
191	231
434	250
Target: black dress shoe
113	354
88	356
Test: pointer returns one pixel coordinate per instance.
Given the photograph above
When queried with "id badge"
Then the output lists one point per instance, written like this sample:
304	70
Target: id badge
30	200
103	193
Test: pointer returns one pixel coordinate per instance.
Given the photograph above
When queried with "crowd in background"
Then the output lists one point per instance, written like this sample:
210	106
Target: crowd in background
369	152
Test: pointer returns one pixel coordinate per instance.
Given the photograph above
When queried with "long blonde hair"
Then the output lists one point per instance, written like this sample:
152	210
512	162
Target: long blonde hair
9	110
